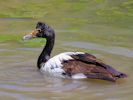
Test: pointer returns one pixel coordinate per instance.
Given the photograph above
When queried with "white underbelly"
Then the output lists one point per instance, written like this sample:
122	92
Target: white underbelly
56	72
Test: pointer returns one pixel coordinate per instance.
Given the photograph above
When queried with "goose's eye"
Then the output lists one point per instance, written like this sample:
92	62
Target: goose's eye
39	30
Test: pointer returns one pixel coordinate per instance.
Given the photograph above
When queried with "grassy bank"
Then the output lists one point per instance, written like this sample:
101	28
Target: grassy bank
102	21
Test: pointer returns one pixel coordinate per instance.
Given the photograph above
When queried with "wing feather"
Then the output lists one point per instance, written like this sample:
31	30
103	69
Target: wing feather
91	67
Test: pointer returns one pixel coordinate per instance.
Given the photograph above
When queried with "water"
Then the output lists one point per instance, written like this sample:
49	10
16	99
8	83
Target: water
113	50
21	80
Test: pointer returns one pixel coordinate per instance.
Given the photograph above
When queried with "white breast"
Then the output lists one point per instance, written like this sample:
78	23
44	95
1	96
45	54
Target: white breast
53	66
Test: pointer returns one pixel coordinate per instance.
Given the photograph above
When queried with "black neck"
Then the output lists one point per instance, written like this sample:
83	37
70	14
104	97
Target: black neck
45	55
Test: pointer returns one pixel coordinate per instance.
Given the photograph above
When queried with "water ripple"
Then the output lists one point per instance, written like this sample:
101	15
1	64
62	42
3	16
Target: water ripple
108	49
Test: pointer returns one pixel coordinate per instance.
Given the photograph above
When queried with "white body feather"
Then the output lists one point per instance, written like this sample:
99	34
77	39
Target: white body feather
53	66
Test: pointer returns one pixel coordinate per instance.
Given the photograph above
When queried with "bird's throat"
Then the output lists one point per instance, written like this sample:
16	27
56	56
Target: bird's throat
45	54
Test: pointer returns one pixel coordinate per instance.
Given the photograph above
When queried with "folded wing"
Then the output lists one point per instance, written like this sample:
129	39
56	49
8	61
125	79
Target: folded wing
91	67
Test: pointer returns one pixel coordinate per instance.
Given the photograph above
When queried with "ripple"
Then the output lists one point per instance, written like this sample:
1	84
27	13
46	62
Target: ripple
29	49
14	18
14	96
108	49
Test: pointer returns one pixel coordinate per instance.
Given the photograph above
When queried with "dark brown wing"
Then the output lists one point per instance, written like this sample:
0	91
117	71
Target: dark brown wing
91	67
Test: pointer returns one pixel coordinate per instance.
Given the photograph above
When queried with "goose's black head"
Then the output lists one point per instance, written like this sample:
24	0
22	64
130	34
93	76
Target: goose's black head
42	30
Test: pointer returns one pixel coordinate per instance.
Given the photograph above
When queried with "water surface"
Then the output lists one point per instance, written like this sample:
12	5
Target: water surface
78	27
21	80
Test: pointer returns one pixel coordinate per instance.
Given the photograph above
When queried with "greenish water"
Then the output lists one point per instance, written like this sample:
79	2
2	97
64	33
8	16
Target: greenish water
100	27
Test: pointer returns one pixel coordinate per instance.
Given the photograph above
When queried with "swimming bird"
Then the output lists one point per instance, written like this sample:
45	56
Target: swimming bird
74	65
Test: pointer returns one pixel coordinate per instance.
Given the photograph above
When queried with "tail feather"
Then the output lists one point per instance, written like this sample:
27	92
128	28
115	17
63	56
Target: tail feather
111	75
114	72
102	77
106	77
121	75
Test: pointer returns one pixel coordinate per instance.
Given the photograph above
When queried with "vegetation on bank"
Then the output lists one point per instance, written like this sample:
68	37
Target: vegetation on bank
73	15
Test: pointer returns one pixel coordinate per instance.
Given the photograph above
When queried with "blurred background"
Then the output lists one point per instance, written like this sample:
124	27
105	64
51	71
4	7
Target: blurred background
100	27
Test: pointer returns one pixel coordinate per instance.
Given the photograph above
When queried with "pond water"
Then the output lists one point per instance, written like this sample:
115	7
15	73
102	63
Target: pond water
92	46
111	42
21	80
